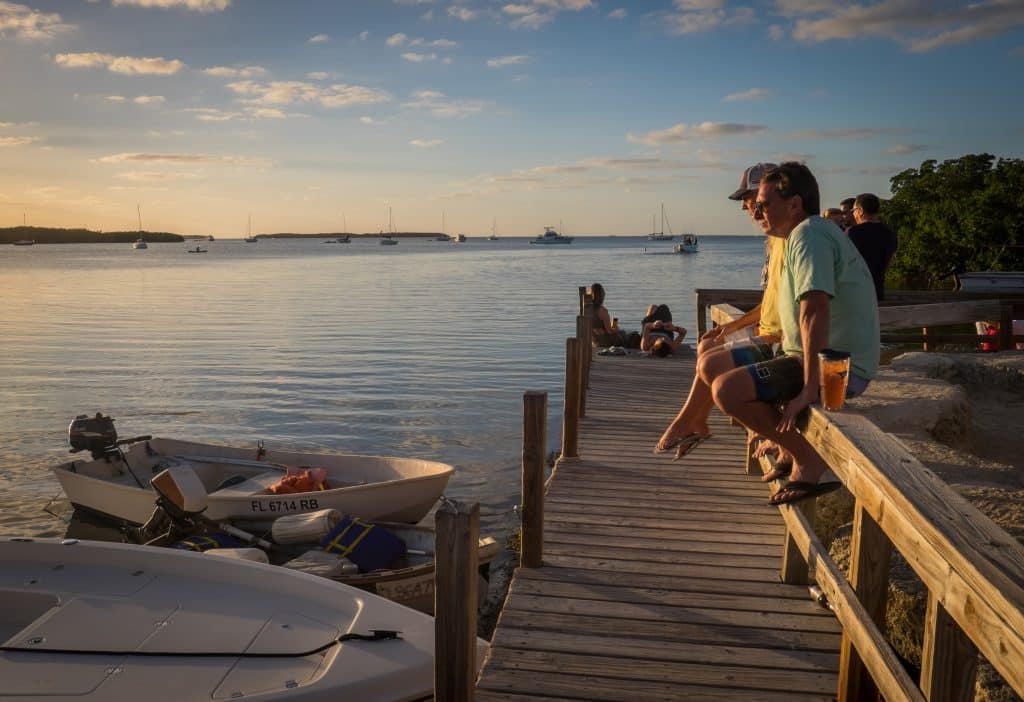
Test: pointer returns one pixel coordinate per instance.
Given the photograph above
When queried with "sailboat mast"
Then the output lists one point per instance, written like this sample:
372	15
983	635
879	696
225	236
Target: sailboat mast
663	218
138	210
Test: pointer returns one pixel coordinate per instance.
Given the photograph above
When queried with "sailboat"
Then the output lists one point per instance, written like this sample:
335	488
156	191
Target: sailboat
660	235
140	243
249	238
494	231
389	240
442	236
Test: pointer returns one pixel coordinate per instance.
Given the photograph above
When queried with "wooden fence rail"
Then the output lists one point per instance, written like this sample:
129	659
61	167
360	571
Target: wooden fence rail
973	570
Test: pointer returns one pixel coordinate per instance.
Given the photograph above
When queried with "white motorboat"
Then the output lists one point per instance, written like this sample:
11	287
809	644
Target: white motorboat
238	481
688	244
140	243
458	239
551	237
24	242
91	621
991	281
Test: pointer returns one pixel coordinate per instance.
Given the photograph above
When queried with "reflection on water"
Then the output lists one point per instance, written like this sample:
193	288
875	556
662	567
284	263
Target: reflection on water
421	349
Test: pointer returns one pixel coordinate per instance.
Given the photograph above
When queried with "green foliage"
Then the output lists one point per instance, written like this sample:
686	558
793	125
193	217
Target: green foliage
965	214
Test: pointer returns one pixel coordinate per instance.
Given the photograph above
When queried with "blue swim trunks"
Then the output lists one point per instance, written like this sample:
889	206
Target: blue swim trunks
749	351
781	379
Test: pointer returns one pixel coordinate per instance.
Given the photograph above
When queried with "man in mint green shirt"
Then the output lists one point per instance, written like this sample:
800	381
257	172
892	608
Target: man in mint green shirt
826	300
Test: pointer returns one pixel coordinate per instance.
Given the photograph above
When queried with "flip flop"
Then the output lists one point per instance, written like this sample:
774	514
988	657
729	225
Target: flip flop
781	470
800	490
689	443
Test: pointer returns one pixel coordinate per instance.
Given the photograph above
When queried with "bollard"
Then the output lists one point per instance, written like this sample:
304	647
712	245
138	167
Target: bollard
455	600
571	410
535	422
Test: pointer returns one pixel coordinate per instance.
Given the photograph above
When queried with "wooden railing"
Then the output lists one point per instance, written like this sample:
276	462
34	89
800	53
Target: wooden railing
972	569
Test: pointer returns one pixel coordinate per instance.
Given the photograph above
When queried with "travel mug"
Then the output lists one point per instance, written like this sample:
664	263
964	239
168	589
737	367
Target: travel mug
835	371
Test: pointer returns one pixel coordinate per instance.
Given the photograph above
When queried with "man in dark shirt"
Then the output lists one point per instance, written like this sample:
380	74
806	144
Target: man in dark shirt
875	241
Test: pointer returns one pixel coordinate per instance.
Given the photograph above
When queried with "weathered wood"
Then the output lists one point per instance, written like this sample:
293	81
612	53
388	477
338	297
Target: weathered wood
535	423
723	313
583	295
1005	326
455	601
949	660
937	315
571	408
794	565
870	555
583	335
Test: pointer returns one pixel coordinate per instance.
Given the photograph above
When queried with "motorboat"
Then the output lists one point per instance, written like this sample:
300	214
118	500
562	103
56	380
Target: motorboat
242	482
388	240
343	239
442	237
458	238
551	237
24	242
92	621
687	244
140	243
209	237
991	281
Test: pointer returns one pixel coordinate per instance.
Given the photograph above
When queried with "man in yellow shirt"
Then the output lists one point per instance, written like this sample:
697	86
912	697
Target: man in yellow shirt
750	339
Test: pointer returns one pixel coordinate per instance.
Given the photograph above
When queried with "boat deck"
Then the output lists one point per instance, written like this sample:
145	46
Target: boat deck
660	578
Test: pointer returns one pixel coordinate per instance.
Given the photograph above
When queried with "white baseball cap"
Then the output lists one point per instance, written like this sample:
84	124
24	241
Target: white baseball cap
751	179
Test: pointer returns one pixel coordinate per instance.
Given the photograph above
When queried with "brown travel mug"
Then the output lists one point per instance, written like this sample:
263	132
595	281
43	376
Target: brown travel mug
835	372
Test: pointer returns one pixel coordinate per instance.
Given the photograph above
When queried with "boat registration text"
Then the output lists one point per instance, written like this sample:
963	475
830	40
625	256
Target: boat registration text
284	505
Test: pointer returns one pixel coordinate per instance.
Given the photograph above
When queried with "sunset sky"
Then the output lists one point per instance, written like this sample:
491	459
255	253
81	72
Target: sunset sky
311	114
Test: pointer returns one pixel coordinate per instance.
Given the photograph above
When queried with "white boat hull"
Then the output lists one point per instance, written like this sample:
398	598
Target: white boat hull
371	487
96	621
992	281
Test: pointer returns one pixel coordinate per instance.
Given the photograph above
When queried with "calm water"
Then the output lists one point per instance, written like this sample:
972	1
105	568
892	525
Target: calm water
422	349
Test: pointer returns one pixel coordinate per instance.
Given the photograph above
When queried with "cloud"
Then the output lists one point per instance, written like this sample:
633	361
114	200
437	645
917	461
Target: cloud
695	16
419	58
843	133
752	94
148	99
680	133
433	102
396	39
210	114
157	176
179	159
364	35
127	65
461	13
194	5
617	14
425	143
413	2
288	92
534	14
919	26
319	75
436	43
232	72
370	120
318	39
503	61
116	98
903	149
31	25
18	141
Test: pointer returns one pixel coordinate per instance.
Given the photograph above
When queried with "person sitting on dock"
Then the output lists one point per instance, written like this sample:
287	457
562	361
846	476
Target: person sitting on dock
826	299
732	345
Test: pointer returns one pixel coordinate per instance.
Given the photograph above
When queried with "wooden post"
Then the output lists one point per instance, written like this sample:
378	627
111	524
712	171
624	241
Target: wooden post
535	424
583	334
583	297
949	660
571	409
702	323
870	554
925	346
588	340
795	569
455	600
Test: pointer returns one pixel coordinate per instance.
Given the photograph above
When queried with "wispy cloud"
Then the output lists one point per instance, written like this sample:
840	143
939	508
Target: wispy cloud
318	39
918	25
425	143
681	133
235	72
157	176
18	140
115	98
843	133
364	35
31	25
617	14
320	75
194	5
210	114
903	149
289	92
396	39
401	39
419	58
502	61
695	16
179	159
438	105
461	13
752	94
534	14
149	99
127	65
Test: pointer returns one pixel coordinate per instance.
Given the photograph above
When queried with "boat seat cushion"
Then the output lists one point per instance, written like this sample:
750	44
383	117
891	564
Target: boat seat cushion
255	485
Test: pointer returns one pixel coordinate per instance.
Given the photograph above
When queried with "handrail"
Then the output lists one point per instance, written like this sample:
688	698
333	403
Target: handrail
973	570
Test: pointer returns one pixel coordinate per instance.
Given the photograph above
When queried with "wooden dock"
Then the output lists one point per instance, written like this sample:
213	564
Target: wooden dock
660	579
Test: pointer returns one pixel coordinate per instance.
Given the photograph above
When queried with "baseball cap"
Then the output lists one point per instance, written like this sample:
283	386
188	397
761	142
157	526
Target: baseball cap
751	179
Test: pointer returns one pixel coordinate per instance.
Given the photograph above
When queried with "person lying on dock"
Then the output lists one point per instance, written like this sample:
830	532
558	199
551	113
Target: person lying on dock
661	338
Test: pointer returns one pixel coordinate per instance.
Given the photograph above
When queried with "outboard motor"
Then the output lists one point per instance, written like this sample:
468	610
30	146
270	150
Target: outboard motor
94	434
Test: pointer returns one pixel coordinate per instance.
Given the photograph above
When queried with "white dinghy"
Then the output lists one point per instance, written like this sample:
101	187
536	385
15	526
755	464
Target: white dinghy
238	481
87	620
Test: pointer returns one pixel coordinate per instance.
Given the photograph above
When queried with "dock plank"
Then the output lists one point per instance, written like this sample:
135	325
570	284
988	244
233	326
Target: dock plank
660	578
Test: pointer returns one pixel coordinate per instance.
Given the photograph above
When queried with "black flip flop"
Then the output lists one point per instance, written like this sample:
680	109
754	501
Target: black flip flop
803	490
